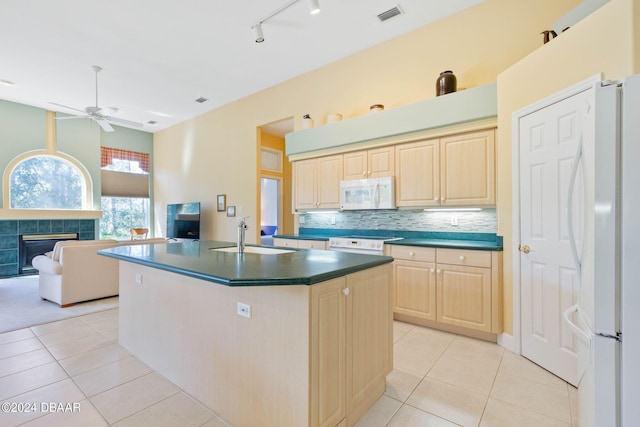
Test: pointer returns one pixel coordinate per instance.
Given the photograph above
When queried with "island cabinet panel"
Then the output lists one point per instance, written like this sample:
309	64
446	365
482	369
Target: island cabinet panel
329	361
316	183
460	288
374	163
369	332
352	351
311	355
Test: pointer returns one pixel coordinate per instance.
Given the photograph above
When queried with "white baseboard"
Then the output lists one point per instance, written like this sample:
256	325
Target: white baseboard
509	342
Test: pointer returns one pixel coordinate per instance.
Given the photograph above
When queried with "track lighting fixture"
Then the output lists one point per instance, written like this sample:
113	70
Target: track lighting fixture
314	8
259	34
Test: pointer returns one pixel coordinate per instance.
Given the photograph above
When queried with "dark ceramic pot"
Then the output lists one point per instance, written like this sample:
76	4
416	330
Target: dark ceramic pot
446	83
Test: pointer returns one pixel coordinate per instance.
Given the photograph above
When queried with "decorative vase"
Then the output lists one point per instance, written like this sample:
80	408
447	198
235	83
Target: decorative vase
334	117
307	122
446	83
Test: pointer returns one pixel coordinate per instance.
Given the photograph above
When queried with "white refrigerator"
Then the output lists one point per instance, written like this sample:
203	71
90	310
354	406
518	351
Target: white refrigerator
606	318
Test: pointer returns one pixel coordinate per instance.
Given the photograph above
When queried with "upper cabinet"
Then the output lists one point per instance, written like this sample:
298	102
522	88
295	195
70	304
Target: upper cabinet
316	183
418	173
467	169
373	163
456	170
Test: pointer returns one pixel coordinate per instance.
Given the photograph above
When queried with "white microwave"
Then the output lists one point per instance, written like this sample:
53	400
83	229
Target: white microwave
372	193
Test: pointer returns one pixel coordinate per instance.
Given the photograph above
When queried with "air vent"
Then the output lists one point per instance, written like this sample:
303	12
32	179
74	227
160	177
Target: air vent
394	11
201	100
151	122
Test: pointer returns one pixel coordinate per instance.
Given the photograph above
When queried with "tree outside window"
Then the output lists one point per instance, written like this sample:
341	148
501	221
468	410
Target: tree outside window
46	182
121	213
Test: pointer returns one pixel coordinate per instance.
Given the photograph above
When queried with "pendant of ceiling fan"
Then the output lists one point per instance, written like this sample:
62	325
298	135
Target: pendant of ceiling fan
98	114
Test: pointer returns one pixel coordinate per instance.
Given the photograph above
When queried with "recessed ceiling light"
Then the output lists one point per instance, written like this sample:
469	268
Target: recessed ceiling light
152	122
201	100
7	82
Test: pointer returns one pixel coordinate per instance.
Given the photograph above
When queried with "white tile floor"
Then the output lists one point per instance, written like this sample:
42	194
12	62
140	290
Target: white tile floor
439	379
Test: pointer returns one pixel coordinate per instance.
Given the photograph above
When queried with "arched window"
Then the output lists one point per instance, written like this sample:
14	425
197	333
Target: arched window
43	181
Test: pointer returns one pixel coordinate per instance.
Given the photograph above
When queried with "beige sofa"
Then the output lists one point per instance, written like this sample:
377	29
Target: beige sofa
74	271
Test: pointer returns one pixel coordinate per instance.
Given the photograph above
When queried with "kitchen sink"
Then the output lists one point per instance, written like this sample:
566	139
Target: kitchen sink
261	250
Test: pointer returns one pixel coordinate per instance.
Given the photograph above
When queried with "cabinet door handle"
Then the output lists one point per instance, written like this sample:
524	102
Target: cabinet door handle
433	270
411	254
438	271
435	199
345	291
461	257
364	174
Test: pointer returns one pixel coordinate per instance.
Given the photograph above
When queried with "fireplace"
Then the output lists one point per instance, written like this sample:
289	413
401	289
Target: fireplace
31	245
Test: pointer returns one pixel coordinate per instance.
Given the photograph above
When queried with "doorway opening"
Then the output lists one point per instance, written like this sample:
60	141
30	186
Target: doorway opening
270	212
274	182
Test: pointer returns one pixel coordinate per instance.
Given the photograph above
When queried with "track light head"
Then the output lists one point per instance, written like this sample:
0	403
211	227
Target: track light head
259	34
314	7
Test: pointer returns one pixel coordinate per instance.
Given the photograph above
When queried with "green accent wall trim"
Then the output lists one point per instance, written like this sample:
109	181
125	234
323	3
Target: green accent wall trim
464	106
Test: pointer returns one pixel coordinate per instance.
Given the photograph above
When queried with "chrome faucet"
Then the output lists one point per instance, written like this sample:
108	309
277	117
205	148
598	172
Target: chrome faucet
242	227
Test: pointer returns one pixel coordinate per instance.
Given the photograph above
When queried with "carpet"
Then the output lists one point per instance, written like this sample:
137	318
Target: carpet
21	305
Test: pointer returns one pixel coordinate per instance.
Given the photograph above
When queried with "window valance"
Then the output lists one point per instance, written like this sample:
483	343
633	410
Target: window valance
107	154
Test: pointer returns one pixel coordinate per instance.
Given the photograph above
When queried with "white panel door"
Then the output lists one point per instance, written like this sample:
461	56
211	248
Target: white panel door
550	281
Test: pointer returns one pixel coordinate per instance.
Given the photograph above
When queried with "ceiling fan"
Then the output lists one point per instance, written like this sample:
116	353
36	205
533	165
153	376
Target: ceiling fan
98	114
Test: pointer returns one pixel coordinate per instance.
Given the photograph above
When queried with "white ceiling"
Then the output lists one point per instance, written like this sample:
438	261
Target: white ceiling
159	56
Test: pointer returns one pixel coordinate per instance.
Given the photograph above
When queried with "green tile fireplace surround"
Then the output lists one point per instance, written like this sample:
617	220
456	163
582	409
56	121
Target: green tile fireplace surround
10	229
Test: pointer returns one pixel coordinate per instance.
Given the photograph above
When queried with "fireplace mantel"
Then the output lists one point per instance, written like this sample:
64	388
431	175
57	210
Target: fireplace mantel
49	214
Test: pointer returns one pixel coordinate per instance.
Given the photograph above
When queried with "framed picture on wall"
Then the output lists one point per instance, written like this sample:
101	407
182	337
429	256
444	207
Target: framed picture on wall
222	202
231	211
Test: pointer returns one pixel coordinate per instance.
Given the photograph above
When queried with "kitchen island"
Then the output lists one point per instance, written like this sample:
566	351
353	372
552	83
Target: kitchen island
291	338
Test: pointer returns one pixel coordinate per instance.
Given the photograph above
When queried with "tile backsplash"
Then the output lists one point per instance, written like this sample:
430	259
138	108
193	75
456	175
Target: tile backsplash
483	221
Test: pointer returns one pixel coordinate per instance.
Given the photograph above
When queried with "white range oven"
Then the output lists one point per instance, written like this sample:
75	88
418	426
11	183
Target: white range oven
370	245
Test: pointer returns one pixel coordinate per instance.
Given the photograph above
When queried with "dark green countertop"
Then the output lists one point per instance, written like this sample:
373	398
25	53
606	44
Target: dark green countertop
196	259
478	245
434	239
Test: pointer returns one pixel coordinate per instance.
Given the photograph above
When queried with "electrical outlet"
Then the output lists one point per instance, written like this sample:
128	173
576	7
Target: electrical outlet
453	220
244	310
301	219
138	277
333	220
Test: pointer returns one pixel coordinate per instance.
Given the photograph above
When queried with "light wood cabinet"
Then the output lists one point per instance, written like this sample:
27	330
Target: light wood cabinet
418	173
300	243
467	169
453	171
316	183
462	288
310	356
372	163
350	318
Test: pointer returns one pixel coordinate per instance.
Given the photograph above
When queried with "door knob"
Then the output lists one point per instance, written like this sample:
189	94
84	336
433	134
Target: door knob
524	249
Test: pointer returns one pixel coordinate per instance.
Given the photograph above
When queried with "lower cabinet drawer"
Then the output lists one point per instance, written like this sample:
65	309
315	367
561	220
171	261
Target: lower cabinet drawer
464	257
413	253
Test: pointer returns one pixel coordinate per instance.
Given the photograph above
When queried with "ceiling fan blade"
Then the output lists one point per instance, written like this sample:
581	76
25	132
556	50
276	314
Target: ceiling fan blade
66	106
104	125
72	117
123	122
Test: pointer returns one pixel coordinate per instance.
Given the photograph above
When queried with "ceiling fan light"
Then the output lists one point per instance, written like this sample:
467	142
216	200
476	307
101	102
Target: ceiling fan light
259	34
314	7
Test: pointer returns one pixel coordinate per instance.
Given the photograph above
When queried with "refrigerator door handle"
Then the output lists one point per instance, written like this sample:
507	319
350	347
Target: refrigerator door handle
572	182
581	334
